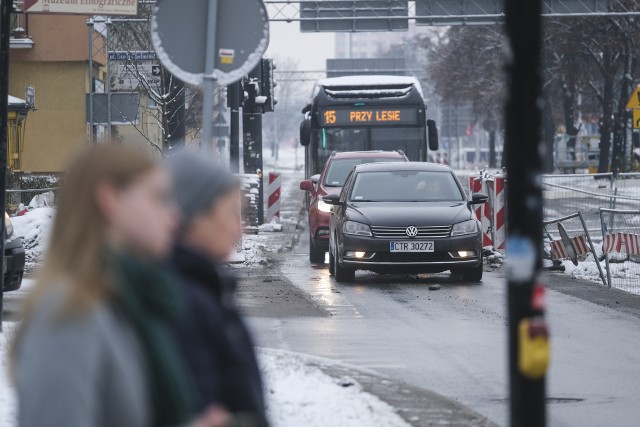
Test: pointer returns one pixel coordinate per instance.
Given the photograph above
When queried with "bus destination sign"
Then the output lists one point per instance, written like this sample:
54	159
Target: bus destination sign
370	116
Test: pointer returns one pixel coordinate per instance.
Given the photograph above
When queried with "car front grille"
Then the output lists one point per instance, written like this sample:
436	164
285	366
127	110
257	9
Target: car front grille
433	232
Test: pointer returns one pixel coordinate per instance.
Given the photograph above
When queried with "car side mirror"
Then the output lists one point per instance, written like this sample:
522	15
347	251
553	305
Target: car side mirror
432	134
332	199
478	199
315	179
307	185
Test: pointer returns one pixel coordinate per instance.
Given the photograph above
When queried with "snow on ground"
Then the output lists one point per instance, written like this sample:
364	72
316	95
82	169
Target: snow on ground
300	394
34	228
7	397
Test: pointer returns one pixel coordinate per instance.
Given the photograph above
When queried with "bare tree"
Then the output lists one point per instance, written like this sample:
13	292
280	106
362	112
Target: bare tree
164	95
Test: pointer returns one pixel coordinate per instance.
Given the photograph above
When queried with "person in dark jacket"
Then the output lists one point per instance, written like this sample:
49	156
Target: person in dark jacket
214	338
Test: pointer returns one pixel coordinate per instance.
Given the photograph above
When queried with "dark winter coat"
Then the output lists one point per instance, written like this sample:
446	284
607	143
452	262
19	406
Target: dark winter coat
216	342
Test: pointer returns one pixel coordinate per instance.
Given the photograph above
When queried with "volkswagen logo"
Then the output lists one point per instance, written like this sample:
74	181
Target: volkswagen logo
411	231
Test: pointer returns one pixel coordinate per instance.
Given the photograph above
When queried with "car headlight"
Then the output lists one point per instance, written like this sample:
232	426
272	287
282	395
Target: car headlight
356	228
8	227
466	227
323	207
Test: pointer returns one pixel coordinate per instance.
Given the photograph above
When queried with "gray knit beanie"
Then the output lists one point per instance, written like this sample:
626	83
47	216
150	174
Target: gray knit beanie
198	183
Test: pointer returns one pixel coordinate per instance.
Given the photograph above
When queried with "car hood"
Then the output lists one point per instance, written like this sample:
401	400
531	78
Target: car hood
420	214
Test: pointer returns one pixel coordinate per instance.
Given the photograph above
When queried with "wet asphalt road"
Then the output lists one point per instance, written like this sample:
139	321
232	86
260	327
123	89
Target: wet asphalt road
453	341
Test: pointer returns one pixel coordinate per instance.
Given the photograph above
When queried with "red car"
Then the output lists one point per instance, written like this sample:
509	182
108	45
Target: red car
330	181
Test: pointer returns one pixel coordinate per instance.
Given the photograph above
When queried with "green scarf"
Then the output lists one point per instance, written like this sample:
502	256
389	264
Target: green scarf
151	299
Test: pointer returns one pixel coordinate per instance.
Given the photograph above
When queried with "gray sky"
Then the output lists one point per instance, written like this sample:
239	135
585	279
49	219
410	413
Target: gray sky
310	49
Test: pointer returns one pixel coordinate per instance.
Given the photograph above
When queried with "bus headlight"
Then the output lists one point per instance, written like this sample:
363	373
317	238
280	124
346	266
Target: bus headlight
357	228
323	207
466	227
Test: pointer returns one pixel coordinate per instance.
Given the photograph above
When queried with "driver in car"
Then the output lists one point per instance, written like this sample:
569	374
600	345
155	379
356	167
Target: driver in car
430	189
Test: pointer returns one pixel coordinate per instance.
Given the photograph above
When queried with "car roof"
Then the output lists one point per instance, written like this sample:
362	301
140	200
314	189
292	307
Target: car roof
368	154
406	166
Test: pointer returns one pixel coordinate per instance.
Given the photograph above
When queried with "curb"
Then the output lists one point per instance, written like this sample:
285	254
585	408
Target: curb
417	406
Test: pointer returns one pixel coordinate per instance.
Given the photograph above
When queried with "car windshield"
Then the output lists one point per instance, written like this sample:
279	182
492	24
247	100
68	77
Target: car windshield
406	186
339	168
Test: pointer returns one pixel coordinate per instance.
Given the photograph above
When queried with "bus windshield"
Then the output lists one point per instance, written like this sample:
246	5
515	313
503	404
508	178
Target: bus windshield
410	140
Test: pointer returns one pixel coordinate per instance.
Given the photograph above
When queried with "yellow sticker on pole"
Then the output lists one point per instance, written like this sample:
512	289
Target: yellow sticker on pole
634	101
227	56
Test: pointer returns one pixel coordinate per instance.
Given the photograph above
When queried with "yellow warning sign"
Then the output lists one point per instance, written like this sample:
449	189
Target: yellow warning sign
636	118
634	101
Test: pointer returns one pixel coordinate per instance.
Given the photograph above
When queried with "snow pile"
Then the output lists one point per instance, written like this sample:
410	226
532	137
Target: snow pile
270	227
7	396
492	257
300	394
34	227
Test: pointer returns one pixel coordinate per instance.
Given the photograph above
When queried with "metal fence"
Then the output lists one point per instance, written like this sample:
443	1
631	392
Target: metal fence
621	247
576	245
587	193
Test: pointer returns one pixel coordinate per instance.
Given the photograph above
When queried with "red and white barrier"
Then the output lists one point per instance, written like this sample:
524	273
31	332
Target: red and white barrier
483	212
274	189
559	251
622	243
498	194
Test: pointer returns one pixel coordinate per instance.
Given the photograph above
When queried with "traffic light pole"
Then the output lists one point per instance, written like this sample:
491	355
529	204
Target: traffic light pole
6	9
233	101
528	334
252	141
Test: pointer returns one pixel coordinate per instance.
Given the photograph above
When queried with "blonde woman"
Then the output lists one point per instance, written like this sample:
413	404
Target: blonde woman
95	347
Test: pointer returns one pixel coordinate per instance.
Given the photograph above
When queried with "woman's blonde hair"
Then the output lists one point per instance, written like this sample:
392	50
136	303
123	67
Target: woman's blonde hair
78	240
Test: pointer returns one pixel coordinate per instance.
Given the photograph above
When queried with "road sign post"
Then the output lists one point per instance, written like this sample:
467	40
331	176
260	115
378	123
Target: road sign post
209	79
528	334
236	35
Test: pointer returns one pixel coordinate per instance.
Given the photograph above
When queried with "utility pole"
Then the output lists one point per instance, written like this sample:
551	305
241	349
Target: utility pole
6	9
252	129
528	332
90	26
234	97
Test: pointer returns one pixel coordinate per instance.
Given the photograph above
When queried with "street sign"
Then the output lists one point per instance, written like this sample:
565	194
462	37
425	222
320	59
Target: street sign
125	108
132	55
179	37
350	16
634	101
126	77
120	7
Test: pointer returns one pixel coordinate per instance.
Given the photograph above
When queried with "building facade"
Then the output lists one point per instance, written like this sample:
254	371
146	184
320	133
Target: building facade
50	54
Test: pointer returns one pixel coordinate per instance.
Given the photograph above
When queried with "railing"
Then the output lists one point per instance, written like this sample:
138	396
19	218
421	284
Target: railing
621	247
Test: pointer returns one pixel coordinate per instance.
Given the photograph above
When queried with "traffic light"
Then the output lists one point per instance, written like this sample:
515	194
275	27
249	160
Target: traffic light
268	85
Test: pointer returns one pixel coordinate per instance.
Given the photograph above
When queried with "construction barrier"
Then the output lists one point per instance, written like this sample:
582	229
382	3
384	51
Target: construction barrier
492	214
274	189
576	245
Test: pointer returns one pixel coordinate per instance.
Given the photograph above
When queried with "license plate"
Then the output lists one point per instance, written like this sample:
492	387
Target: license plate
411	246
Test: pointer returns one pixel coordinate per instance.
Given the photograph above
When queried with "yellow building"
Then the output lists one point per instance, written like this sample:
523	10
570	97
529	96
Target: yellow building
51	54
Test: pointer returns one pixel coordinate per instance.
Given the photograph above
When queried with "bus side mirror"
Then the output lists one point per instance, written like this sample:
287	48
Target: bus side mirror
432	133
305	132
